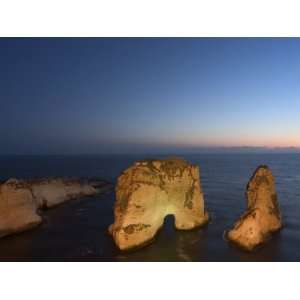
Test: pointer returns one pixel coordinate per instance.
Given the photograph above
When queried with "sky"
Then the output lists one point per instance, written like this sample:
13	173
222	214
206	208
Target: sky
123	95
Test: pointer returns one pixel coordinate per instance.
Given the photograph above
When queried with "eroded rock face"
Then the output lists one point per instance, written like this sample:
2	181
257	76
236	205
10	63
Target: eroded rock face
18	210
149	191
51	192
21	200
262	217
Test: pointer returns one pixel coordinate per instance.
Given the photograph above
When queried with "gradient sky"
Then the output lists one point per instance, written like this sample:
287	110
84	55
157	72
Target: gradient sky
126	95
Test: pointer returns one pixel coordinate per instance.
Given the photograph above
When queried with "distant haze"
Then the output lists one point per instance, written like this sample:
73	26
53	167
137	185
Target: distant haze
120	95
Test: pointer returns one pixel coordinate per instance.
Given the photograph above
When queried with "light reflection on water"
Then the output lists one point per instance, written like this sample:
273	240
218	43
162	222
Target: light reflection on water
78	230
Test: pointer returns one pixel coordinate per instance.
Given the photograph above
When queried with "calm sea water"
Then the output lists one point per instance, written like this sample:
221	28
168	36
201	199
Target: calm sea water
77	230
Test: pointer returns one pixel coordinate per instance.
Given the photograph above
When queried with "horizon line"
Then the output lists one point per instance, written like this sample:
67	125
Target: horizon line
182	151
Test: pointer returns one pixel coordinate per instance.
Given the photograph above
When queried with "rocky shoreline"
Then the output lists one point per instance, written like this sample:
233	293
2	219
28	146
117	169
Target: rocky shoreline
146	193
21	201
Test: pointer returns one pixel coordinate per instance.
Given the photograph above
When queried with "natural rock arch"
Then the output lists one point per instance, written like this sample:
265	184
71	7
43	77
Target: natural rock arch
149	191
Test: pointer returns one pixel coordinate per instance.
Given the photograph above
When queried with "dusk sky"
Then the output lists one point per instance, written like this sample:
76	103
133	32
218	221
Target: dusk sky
61	96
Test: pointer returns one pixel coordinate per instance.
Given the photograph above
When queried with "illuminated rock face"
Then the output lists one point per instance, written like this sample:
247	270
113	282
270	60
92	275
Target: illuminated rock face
149	191
18	210
21	200
51	192
262	216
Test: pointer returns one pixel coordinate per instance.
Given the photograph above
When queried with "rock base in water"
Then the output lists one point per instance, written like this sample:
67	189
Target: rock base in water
18	209
262	217
20	200
149	191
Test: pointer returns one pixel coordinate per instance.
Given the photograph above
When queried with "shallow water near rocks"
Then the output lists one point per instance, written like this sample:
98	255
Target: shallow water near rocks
77	230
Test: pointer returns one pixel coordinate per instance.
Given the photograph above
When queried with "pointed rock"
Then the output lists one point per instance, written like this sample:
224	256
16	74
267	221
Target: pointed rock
149	191
262	216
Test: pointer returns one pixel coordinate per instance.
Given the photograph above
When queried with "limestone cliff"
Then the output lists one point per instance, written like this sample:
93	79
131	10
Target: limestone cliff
262	216
18	209
51	192
149	191
20	200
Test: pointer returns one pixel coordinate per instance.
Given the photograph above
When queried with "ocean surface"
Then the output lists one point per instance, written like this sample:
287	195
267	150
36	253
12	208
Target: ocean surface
77	230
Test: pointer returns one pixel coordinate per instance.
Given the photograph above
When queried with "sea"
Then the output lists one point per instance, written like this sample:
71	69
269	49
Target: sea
77	230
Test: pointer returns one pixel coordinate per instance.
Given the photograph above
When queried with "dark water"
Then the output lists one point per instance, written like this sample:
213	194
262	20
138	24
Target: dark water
76	230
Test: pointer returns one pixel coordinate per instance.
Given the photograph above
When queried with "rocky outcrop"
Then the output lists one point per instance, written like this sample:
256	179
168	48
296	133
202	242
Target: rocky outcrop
149	191
51	192
262	217
20	200
18	209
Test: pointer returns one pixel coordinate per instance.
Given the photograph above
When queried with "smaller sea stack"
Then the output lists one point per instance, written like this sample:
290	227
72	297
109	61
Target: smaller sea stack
262	217
149	191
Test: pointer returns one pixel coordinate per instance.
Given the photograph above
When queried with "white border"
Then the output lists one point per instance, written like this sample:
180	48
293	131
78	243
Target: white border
149	281
149	18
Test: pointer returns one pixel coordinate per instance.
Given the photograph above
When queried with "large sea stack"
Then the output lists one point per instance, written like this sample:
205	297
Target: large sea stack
21	200
262	217
150	190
